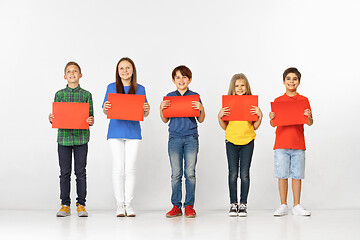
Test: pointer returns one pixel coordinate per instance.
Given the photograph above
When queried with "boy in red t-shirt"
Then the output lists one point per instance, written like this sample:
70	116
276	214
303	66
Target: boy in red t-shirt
289	155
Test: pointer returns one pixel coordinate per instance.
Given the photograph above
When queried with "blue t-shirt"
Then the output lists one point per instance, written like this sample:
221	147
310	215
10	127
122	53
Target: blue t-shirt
124	128
182	126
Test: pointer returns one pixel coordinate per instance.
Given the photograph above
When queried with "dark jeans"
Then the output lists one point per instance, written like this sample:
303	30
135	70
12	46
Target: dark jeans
65	162
239	155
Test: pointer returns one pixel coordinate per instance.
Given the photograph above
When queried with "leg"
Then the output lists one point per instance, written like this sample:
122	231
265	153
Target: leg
65	160
131	150
191	149
297	170
283	190
117	147
176	153
232	153
296	188
246	153
282	172
80	156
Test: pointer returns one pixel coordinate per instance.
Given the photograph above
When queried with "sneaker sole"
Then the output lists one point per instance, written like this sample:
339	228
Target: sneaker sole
62	215
242	214
232	214
305	215
190	216
172	216
120	215
131	215
83	215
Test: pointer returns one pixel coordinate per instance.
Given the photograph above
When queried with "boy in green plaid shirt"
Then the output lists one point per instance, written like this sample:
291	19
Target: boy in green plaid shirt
73	140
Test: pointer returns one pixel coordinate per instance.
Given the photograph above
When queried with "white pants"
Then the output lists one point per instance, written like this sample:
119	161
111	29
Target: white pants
124	153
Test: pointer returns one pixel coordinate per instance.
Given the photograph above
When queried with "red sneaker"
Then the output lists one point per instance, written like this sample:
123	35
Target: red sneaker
174	212
190	212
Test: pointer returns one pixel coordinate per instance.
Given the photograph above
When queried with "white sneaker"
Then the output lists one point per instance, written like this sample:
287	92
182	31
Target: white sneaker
120	211
299	210
129	211
281	211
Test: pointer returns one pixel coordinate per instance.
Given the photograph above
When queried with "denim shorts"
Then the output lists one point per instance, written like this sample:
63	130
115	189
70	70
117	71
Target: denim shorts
289	163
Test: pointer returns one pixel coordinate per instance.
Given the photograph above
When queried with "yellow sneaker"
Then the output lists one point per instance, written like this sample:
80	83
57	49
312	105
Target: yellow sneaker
64	211
81	210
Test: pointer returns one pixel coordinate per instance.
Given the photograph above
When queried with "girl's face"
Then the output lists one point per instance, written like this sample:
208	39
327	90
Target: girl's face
240	87
125	70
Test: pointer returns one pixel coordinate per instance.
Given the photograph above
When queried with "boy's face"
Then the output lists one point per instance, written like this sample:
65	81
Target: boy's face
125	70
181	81
291	82
240	87
72	74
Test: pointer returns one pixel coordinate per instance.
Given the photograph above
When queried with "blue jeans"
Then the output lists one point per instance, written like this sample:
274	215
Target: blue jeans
183	155
65	162
239	155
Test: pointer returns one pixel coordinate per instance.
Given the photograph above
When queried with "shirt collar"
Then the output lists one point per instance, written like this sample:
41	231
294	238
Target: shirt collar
73	89
293	97
179	94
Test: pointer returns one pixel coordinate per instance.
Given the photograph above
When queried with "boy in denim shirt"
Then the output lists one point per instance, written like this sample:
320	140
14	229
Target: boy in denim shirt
183	145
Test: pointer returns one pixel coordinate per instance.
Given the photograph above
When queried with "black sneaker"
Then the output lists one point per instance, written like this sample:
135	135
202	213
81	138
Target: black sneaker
242	211
233	210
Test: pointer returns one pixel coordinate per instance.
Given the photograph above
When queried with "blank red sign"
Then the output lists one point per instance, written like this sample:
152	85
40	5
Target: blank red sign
70	115
240	106
290	112
126	106
181	106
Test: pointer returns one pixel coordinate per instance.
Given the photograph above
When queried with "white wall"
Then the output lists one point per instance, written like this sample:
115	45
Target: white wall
215	39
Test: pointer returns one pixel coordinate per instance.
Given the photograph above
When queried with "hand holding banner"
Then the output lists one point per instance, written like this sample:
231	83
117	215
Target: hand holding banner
290	112
240	106
70	115
126	106
180	106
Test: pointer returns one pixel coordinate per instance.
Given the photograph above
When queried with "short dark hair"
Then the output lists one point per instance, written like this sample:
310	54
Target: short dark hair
70	64
292	70
184	70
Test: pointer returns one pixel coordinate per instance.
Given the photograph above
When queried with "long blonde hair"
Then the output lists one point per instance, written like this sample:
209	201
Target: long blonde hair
234	79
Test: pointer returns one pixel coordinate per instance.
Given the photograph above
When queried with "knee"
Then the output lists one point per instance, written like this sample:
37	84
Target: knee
245	176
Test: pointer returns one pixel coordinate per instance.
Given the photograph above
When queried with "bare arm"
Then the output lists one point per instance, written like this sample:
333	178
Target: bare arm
272	116
223	112
106	107
146	109
163	105
307	113
257	111
200	107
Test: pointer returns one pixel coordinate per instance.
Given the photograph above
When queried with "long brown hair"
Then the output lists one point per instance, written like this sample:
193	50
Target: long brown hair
133	82
233	81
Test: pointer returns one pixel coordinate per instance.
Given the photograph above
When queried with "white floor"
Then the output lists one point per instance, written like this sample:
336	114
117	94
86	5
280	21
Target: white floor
323	224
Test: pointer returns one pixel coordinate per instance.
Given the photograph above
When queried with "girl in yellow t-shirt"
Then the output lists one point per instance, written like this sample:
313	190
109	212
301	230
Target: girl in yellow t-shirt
239	137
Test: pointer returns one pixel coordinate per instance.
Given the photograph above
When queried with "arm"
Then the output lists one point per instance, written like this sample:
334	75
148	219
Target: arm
307	113
163	105
146	109
257	111
223	112
200	107
91	119
272	116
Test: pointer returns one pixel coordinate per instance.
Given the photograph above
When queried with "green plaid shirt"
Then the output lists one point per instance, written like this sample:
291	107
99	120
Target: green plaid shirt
71	137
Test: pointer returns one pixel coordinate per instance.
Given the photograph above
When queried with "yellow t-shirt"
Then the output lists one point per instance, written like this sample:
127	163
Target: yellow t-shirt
240	132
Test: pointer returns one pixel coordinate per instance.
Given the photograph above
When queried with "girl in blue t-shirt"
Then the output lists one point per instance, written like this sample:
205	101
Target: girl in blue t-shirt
124	137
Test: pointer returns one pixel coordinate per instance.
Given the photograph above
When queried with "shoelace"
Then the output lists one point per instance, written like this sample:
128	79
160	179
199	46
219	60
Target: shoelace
81	208
64	208
242	206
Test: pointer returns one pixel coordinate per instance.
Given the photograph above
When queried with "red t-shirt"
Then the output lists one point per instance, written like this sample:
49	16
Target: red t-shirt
292	136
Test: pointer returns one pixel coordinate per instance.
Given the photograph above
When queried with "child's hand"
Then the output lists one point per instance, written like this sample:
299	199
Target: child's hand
146	107
224	112
272	115
107	106
164	104
90	120
197	105
51	116
307	112
256	110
